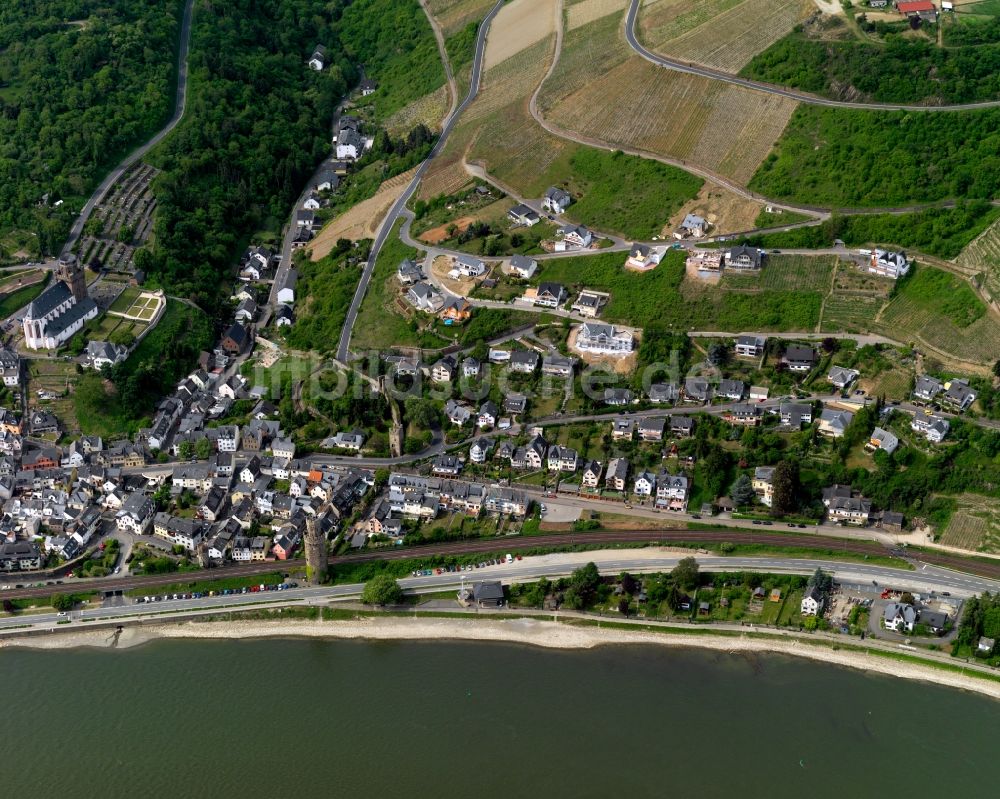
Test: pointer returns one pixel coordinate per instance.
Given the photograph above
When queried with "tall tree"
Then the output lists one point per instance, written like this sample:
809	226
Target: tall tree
785	487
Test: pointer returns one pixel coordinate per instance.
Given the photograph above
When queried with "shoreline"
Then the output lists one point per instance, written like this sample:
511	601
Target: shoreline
526	631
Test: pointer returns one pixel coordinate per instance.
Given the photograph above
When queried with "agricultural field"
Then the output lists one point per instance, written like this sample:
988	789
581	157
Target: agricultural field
428	110
975	525
724	34
453	15
982	256
518	25
788	273
602	91
584	11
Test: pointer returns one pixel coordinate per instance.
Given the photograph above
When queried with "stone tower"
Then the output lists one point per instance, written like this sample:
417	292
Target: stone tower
72	275
316	553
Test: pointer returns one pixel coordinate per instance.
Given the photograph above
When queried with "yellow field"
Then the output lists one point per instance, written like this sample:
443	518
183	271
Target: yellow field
579	14
518	25
363	220
724	34
599	89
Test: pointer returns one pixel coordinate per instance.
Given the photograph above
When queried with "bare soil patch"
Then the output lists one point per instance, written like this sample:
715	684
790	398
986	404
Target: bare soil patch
619	364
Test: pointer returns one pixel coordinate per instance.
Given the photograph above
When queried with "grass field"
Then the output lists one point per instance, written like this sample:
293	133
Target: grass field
600	89
788	273
662	297
724	34
16	300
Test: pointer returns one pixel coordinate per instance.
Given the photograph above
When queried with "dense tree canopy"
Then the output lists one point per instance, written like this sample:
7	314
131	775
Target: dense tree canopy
82	82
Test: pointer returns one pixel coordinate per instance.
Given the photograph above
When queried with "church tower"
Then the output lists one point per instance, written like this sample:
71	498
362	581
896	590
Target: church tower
72	275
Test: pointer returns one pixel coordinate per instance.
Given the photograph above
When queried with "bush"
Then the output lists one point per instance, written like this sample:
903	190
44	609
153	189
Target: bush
382	590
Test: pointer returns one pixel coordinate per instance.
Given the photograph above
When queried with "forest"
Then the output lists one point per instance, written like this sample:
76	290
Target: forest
899	71
843	158
257	125
82	82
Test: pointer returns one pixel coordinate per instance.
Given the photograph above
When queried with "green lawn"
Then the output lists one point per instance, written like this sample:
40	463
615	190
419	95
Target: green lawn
623	194
656	297
16	300
125	300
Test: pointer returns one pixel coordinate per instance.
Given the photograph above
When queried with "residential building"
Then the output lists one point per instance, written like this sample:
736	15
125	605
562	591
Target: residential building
524	216
467	265
488	414
664	392
458	413
744	258
763	484
523	267
642	257
850	510
562	459
524	361
558	365
424	297
651	429
833	422
10	367
622	428
471	368
841	377
681	426
927	388
618	397
744	414
795	414
617	474
480	450
883	440
444	370
933	427
550	295
750	346
957	395
571	237
506	501
888	264
136	513
692	226
591	477
604	339
899	617
589	303
812	602
672	491
799	358
534	455
556	200
408	272
448	465
644	484
697	389
731	390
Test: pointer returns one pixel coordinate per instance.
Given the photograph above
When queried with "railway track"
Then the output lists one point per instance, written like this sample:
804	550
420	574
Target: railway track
705	538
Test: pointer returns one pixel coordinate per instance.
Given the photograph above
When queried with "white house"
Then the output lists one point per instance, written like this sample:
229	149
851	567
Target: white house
573	236
468	266
644	485
286	294
601	338
899	618
556	200
318	59
888	264
812	602
523	267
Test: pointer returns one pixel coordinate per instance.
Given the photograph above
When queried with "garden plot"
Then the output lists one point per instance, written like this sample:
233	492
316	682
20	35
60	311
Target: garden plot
58	378
723	34
975	525
142	306
518	25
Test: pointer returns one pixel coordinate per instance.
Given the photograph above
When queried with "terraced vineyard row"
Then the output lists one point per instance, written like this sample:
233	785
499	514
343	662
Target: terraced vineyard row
732	36
983	255
979	342
586	11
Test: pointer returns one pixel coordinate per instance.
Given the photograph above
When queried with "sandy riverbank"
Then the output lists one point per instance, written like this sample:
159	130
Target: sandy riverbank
533	632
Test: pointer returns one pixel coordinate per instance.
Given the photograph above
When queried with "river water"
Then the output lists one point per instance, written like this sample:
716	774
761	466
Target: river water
312	718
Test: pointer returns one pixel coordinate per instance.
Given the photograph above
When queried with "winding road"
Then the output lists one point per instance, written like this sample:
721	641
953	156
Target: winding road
689	68
399	207
180	104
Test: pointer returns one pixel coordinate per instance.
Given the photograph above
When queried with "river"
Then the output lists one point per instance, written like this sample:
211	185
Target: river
307	718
